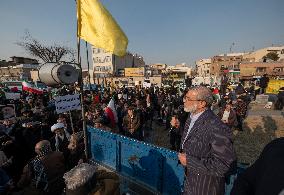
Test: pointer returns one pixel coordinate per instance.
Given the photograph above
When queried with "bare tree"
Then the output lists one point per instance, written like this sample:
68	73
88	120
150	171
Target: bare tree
53	53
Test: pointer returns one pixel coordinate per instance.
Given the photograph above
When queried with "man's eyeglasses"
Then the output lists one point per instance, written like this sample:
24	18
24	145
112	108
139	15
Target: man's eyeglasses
186	98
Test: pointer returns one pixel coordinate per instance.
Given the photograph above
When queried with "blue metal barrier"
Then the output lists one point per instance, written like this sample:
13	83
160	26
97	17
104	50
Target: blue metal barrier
146	164
154	167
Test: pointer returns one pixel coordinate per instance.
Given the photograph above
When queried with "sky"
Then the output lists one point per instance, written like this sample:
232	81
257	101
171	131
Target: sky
162	31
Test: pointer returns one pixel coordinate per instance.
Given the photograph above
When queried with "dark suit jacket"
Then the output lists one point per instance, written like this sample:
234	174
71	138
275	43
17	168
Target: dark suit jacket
209	154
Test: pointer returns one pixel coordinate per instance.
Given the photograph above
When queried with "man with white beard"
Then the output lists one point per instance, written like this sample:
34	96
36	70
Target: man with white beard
206	146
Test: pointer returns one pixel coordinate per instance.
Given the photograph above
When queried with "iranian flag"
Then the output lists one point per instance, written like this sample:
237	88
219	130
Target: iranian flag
29	87
110	111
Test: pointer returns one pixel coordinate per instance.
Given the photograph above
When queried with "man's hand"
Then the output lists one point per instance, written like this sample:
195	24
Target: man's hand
182	158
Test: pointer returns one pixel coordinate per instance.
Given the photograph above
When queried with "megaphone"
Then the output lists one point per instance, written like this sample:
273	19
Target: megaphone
57	73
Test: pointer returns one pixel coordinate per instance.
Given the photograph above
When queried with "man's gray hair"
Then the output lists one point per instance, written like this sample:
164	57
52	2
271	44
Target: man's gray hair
203	93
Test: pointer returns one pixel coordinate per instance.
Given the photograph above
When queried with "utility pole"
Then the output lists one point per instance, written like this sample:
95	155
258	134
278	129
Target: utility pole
231	47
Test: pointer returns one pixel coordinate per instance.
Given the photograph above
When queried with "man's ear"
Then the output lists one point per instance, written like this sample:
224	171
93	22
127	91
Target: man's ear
203	104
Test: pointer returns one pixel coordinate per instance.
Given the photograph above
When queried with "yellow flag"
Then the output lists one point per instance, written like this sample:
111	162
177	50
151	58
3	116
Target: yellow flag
98	27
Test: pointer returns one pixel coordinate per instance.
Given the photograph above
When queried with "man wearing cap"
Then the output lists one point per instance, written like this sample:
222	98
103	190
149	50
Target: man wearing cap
60	141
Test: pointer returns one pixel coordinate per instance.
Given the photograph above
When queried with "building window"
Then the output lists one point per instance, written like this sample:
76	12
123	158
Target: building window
278	69
261	69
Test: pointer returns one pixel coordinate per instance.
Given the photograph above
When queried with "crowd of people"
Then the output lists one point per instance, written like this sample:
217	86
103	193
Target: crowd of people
38	145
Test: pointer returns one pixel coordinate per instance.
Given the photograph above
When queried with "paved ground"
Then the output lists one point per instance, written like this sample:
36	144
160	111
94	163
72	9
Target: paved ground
259	129
158	135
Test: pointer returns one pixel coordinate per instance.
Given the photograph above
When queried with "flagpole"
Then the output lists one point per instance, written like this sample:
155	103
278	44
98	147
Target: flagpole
89	77
82	91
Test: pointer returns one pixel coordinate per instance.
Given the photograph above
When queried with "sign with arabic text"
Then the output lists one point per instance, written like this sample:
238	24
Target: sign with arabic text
67	103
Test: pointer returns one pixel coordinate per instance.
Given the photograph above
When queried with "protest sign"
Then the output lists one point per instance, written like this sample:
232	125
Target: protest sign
67	103
12	96
274	86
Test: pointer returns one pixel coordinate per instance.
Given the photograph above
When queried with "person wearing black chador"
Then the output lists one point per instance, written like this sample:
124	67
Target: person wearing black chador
263	83
175	133
265	176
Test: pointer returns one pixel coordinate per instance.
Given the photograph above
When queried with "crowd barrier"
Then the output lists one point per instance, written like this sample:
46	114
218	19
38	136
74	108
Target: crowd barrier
148	166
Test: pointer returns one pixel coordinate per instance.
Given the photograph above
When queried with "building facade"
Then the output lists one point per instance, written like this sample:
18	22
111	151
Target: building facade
18	72
203	67
17	60
106	64
158	69
249	70
225	62
23	60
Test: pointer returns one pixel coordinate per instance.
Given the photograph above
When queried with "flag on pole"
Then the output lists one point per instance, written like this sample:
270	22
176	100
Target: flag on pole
29	87
111	113
97	26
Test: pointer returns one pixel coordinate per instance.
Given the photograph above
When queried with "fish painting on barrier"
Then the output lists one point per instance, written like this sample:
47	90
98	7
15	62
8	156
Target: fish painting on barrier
154	167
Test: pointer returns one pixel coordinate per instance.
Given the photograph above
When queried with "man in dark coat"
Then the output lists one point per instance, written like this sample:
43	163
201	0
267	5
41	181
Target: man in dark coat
175	133
224	84
206	147
265	176
44	173
132	124
263	83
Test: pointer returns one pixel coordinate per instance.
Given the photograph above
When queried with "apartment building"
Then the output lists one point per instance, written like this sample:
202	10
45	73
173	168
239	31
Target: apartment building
17	72
106	64
203	67
19	68
226	63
